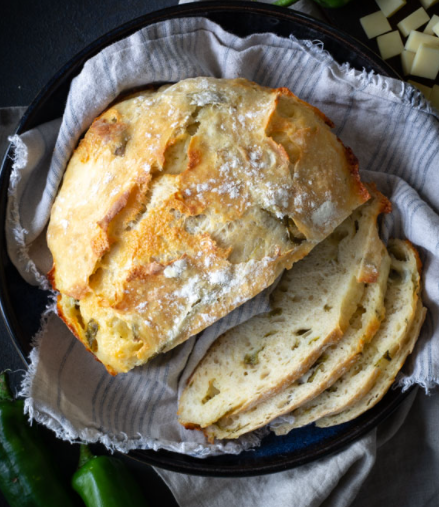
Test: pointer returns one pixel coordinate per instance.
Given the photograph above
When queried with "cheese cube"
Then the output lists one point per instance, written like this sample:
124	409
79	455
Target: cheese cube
417	38
426	90
415	20
436	29
389	7
375	24
407	61
390	44
428	3
433	21
426	62
434	96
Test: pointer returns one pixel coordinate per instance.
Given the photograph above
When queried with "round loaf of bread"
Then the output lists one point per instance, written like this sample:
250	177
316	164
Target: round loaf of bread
182	203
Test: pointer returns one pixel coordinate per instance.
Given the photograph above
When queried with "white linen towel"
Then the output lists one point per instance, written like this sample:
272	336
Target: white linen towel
390	127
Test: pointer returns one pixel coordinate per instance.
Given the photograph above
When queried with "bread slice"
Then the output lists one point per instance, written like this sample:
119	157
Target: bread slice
330	366
312	307
401	302
385	379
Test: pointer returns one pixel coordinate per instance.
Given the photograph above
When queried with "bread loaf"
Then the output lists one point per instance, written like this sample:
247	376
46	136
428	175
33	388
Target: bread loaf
182	203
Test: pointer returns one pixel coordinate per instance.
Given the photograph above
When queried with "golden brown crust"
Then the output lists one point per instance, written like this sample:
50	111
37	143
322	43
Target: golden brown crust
66	320
51	277
70	323
355	170
180	204
372	256
416	254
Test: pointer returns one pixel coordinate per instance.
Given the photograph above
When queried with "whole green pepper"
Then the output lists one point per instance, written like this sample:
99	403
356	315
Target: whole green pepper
28	477
102	481
324	3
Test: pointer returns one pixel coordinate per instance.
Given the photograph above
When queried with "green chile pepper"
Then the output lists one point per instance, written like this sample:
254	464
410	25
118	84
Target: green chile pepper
102	481
28	476
324	3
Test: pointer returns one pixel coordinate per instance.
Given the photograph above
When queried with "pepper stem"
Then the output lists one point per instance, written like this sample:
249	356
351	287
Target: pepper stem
5	391
85	455
285	3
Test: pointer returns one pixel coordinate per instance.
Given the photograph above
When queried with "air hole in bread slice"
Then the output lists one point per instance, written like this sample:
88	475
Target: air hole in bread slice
301	332
396	251
212	391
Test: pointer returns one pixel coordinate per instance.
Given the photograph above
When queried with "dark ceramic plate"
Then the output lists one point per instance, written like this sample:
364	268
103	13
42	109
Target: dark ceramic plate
21	304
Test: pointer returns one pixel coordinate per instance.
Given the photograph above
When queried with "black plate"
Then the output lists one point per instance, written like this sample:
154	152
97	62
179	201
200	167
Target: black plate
22	304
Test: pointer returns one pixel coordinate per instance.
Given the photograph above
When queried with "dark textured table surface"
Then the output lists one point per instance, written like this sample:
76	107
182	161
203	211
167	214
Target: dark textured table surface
36	39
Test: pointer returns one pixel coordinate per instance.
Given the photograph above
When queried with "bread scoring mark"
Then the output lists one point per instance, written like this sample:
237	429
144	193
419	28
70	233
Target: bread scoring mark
100	243
143	272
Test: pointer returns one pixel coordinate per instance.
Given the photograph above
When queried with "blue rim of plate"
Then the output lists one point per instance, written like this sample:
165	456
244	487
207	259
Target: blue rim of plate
21	304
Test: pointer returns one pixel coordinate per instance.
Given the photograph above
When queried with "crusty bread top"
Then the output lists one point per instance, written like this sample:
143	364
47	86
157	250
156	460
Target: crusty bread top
182	203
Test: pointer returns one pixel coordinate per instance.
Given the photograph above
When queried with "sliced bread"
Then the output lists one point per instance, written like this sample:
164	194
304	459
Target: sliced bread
401	302
330	366
386	378
312	307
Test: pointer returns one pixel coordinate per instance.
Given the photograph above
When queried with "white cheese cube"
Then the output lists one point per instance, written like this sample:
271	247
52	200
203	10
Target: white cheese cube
433	21
417	38
390	45
375	24
426	62
415	20
436	29
426	90
428	3
434	96
407	61
389	7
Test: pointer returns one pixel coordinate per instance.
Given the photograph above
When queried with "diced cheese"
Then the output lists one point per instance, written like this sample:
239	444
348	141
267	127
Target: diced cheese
428	3
433	21
436	29
426	90
375	24
390	44
426	62
407	61
434	96
417	38
414	21
389	7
